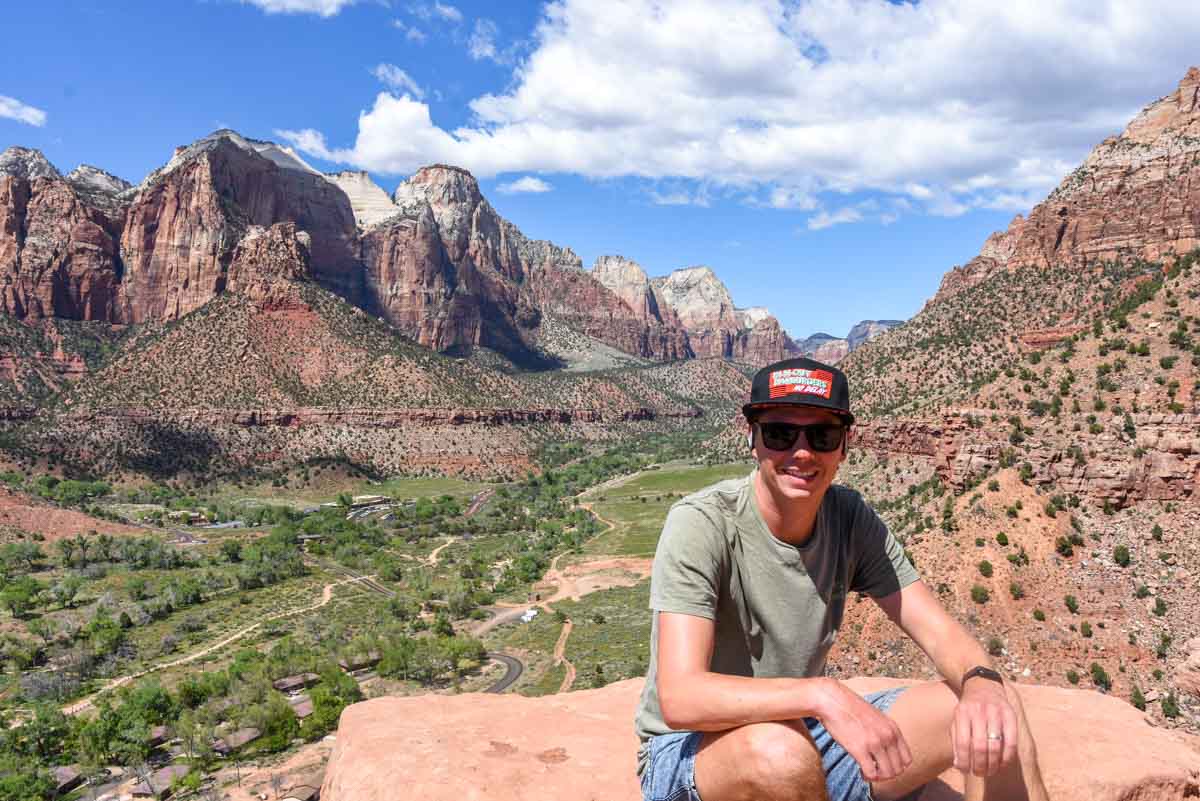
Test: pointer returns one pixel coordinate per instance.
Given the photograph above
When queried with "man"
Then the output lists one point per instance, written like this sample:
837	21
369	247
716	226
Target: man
748	589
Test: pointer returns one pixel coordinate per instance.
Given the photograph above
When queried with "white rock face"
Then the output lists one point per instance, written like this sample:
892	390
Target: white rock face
27	163
87	178
370	203
624	277
281	155
697	296
753	315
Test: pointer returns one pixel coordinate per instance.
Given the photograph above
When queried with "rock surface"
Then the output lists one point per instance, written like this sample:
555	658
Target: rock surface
581	745
58	255
1135	195
370	203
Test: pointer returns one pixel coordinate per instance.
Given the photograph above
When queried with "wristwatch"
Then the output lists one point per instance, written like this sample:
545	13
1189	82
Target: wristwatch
982	672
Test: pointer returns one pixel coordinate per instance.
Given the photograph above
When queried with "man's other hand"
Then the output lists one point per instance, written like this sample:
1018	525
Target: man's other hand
984	729
870	736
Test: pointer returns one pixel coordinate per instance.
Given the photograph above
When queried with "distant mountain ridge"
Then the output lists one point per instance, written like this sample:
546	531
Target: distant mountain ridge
433	259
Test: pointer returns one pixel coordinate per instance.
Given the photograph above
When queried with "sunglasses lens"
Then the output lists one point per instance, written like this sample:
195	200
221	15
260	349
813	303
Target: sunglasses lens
821	437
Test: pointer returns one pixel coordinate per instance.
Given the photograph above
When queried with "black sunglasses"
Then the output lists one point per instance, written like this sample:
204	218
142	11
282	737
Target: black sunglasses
821	437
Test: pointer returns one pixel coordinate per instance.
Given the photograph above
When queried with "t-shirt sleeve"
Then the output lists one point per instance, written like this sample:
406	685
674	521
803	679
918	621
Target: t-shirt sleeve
881	567
686	577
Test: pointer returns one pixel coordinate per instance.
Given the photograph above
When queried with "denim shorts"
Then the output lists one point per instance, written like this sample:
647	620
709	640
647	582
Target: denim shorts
670	772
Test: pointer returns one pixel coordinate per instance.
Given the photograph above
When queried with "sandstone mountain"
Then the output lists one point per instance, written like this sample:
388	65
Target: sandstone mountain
434	259
831	350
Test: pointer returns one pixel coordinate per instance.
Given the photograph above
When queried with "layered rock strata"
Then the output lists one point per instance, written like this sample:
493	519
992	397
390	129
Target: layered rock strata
1165	465
1136	195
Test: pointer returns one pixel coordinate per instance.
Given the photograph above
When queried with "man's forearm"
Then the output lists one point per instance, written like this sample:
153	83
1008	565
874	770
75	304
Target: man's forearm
709	701
957	652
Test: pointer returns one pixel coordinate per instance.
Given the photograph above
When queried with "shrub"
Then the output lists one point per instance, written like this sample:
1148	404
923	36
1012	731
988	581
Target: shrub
1142	591
1039	615
1063	546
1072	677
993	486
1156	532
985	569
1016	591
1121	555
1085	629
1071	603
1170	706
1100	677
1002	539
1160	607
995	646
980	594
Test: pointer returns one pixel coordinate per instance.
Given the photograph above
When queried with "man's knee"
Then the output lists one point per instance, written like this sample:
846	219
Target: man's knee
777	761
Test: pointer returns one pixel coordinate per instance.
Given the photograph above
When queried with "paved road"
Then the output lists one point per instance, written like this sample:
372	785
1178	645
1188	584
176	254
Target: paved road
515	668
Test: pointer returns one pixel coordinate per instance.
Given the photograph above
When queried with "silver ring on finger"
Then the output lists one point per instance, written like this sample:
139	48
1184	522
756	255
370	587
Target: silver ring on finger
995	735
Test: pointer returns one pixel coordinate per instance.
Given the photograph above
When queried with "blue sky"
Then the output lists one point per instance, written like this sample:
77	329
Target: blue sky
830	159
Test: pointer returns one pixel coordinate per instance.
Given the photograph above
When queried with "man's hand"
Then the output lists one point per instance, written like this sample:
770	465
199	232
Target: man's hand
867	734
984	730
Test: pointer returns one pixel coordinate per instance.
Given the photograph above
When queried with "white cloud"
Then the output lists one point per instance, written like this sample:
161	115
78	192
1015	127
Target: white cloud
482	42
443	11
947	104
411	32
13	109
523	185
825	219
324	8
396	78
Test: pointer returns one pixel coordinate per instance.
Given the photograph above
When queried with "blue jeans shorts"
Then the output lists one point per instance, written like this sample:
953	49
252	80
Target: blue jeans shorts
670	772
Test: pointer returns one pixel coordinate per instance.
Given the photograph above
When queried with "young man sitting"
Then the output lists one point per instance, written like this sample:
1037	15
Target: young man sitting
748	591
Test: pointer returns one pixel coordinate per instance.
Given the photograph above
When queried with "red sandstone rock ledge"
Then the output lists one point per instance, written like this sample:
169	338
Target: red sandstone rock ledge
385	418
581	745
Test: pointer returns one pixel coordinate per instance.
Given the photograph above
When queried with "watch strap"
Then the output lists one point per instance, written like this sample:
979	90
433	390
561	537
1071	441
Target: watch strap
982	672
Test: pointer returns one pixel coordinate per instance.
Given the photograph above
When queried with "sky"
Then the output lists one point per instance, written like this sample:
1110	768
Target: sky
829	159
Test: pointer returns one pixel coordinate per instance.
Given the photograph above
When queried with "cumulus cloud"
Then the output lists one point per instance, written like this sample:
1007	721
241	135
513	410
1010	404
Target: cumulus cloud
396	78
324	8
946	104
13	109
526	184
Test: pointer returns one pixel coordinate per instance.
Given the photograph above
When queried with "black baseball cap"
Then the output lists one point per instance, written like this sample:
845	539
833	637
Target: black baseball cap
800	382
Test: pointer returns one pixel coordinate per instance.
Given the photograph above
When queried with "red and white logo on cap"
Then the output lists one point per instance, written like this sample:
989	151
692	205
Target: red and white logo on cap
801	382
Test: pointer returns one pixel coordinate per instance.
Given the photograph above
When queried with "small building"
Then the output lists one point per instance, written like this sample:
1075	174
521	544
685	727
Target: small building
294	684
359	661
232	742
302	705
160	782
368	500
528	615
188	516
66	779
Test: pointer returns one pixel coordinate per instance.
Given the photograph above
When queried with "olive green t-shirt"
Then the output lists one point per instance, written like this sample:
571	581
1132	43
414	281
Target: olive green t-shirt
777	607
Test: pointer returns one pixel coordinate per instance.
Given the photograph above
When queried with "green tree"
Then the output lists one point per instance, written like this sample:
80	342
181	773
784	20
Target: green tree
20	595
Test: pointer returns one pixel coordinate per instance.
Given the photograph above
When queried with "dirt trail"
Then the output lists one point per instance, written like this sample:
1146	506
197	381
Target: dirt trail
86	703
560	657
432	560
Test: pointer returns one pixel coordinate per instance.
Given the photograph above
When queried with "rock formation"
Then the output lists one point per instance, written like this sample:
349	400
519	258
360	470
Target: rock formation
435	259
1136	195
1091	747
704	307
58	255
370	203
187	218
